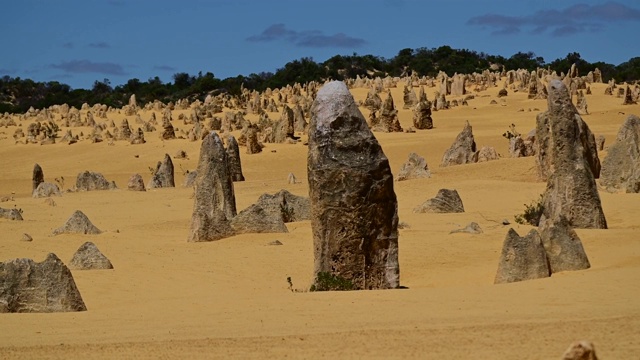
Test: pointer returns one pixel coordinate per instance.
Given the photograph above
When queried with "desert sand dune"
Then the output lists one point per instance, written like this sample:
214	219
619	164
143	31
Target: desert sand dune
167	298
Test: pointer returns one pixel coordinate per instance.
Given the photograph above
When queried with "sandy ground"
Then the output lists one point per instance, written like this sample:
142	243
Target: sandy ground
167	298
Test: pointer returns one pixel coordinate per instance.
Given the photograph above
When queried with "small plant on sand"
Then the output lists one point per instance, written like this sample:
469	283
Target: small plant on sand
288	214
329	282
532	213
511	133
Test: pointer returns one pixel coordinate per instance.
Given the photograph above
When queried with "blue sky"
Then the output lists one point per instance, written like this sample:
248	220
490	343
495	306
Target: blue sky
80	41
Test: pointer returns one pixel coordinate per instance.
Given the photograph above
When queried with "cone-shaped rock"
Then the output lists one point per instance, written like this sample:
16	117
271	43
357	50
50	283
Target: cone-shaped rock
522	258
415	168
299	120
353	205
563	246
215	202
446	201
88	257
30	287
621	167
233	156
38	177
163	177
463	150
78	223
571	188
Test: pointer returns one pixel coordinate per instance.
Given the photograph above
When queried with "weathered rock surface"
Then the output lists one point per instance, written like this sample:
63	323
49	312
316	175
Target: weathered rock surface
446	201
487	153
563	246
89	181
38	177
136	183
10	214
253	146
255	219
422	115
567	152
522	258
78	223
388	121
463	150
190	178
472	228
415	168
163	176
233	156
30	287
580	350
215	202
88	257
621	166
353	205
286	205
46	189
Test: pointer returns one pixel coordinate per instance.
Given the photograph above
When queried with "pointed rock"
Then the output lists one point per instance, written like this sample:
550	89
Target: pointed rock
415	168
567	149
163	176
563	246
463	150
88	257
353	205
78	223
215	202
388	119
422	115
621	167
233	156
38	177
522	258
30	287
446	201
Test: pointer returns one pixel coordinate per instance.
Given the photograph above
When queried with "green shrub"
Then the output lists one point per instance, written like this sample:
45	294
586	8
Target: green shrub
329	282
532	213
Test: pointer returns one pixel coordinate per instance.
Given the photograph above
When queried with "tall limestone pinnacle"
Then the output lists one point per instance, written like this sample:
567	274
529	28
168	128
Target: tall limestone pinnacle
353	204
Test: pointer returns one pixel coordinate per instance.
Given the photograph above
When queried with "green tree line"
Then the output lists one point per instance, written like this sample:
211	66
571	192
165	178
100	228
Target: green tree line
17	95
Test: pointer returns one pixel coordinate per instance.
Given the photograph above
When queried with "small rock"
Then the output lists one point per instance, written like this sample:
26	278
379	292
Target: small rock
580	350
26	237
275	242
472	228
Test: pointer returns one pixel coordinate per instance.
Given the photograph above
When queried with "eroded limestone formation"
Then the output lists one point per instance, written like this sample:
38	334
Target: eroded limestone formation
353	204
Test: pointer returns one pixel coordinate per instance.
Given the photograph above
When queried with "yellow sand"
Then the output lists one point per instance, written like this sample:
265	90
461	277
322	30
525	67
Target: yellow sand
167	298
